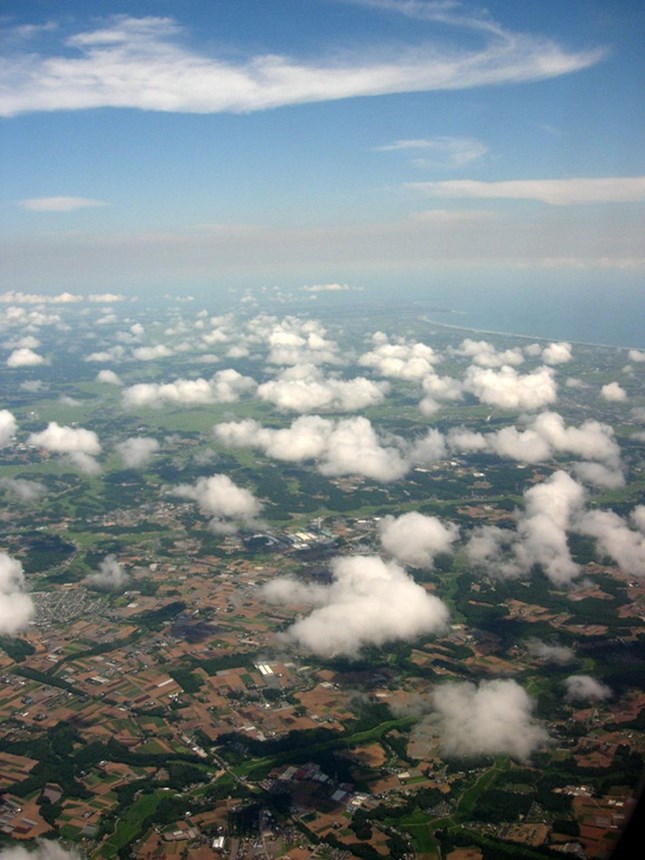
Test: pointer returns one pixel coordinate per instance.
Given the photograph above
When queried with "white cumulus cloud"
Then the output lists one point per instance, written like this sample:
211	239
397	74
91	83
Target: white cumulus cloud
8	427
484	354
354	448
20	298
508	389
492	549
369	602
429	448
438	389
79	444
110	576
561	655
613	393
109	377
495	718
24	357
151	353
326	288
16	606
226	386
551	509
592	440
557	353
228	505
348	446
113	353
23	489
229	385
416	539
599	475
45	850
106	298
585	689
400	360
312	392
620	539
28	341
293	341
136	451
546	436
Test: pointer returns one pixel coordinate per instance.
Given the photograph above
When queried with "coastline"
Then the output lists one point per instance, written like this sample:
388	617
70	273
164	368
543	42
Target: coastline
530	337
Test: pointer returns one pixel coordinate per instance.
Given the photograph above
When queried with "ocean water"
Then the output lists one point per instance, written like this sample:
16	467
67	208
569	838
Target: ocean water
584	313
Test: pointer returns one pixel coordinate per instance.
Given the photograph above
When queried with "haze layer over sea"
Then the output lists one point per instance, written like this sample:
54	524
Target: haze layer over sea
606	314
605	311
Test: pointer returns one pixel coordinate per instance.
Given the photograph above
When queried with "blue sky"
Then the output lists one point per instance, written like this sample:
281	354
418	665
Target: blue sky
186	144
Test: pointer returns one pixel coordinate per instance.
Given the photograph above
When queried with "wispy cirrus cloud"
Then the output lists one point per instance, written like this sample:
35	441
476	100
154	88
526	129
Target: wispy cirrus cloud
450	12
557	192
145	63
443	151
59	204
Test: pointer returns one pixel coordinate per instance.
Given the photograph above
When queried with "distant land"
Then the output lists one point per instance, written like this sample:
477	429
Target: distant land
329	583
